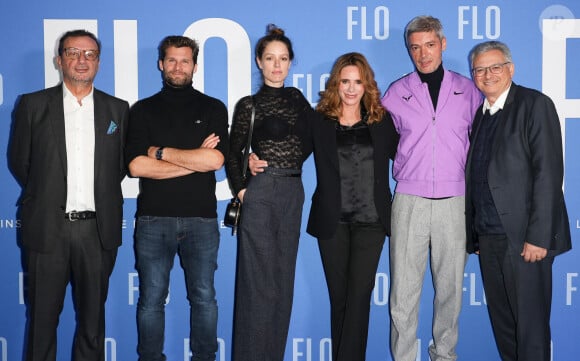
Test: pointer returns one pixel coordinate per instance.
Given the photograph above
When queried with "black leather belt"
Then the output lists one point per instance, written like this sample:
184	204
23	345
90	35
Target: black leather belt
80	216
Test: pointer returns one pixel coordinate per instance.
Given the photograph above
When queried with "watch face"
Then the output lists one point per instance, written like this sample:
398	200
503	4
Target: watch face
159	153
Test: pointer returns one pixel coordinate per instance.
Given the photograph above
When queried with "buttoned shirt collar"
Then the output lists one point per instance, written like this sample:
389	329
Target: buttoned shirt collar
499	103
68	95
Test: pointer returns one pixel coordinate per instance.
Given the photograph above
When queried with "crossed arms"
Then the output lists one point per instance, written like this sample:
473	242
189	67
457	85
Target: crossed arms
178	162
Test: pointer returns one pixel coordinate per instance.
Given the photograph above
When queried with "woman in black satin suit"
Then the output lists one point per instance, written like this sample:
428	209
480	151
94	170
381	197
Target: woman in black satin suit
354	138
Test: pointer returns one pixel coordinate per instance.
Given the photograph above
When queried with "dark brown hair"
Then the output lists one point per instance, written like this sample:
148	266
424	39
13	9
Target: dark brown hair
273	33
178	41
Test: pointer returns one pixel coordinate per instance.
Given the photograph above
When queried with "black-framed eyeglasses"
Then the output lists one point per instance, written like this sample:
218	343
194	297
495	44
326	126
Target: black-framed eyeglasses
75	53
494	69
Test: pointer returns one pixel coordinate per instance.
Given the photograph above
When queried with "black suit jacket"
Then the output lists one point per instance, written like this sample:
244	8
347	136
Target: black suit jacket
326	201
525	174
37	158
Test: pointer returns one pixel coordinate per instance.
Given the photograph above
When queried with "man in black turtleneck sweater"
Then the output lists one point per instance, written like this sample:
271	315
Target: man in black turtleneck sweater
177	138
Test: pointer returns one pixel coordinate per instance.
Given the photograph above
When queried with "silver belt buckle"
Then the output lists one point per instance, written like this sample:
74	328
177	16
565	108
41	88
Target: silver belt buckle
70	214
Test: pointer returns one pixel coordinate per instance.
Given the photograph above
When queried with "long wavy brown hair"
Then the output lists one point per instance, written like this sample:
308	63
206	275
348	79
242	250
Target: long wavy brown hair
330	103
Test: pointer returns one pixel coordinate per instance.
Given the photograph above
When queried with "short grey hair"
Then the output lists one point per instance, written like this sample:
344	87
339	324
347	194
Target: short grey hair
489	46
423	23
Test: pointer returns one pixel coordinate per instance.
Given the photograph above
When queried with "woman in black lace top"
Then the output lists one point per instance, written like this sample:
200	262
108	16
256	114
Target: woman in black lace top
272	203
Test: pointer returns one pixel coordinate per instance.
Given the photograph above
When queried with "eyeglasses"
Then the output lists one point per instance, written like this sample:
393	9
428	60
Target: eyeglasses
494	69
75	53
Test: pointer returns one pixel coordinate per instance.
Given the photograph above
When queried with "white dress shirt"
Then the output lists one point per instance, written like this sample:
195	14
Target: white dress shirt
79	121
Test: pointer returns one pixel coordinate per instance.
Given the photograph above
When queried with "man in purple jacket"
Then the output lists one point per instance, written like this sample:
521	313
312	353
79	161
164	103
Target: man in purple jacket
432	109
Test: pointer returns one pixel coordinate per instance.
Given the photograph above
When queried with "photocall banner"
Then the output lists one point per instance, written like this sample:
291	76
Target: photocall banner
544	37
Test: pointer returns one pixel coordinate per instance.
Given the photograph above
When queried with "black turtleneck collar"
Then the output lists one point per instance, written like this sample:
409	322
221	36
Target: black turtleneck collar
434	77
433	81
270	90
177	93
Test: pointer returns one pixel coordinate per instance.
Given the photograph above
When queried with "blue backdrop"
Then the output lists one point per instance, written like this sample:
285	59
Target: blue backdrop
545	40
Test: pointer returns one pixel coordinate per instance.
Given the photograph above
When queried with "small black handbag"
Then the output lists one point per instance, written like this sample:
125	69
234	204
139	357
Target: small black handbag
234	208
233	211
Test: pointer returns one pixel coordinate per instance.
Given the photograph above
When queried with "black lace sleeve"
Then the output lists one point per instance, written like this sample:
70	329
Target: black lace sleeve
304	128
238	142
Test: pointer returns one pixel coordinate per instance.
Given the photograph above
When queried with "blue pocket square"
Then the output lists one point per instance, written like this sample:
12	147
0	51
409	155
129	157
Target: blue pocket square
112	127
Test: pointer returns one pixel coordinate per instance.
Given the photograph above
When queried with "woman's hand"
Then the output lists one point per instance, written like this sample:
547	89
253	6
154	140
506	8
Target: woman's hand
256	165
241	195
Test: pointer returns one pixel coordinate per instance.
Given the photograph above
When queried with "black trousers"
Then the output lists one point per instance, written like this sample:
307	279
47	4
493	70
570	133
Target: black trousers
350	261
519	300
80	260
266	264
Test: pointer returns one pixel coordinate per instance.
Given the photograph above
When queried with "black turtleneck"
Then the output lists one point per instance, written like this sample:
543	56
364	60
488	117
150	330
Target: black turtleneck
178	118
433	81
172	93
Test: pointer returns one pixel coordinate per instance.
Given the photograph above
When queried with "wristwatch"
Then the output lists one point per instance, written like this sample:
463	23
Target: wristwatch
159	153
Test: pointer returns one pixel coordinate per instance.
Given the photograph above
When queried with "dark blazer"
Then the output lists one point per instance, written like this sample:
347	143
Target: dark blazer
37	158
326	202
525	174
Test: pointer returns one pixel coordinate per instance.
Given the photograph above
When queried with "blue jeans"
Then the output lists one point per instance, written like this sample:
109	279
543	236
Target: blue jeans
157	240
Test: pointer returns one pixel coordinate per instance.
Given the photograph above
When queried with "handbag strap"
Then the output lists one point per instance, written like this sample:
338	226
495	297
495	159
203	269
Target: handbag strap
247	150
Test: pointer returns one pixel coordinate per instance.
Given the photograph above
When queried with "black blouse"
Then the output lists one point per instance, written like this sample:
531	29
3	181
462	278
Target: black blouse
356	163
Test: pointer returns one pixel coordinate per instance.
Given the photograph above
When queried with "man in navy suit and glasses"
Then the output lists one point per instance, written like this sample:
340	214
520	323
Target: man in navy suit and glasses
66	152
516	215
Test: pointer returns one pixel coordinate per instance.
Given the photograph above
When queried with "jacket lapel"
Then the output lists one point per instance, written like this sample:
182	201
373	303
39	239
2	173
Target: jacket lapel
473	136
504	116
331	146
56	118
101	126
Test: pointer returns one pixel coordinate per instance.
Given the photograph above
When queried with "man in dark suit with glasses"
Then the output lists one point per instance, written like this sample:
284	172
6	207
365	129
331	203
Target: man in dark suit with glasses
66	152
516	215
